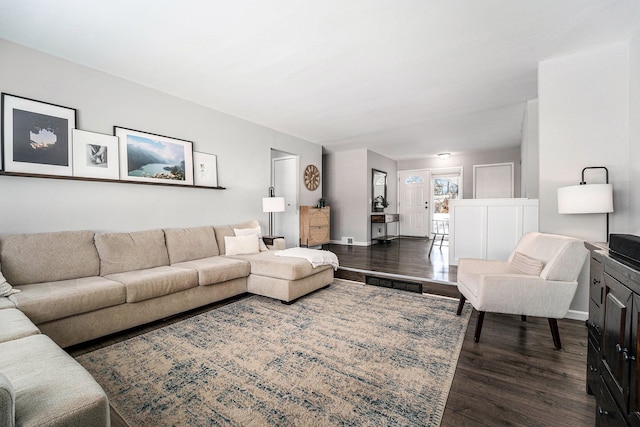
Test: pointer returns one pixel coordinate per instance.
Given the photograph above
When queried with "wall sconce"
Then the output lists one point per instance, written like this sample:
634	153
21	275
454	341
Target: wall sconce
272	204
587	198
444	156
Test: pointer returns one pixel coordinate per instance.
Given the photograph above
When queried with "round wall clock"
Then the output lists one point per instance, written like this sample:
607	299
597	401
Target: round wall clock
311	177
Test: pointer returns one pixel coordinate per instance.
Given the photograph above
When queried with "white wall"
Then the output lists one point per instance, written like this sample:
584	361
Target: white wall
530	167
587	119
243	150
584	121
346	192
467	161
385	164
634	135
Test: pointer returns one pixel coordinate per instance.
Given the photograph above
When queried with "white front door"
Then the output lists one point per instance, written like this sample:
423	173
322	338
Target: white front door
414	188
285	183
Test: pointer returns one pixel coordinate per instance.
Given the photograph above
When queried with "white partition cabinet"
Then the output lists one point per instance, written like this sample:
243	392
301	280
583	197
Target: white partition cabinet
489	228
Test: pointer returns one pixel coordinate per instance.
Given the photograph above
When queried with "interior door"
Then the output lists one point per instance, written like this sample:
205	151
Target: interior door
285	183
414	192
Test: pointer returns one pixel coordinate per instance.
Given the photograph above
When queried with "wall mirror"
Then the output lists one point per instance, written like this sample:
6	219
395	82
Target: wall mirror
378	188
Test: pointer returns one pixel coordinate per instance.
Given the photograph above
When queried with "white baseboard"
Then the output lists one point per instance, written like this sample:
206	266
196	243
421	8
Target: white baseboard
577	315
341	242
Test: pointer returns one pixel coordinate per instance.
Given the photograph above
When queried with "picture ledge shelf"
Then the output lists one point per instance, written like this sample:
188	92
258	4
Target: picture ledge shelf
120	181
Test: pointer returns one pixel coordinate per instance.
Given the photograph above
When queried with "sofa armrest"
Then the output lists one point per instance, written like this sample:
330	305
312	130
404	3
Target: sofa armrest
278	245
7	403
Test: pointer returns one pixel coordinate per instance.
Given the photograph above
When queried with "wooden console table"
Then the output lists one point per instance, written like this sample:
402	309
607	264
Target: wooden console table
384	219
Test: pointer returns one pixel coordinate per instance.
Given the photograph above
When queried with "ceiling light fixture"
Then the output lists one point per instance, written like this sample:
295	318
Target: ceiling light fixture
444	156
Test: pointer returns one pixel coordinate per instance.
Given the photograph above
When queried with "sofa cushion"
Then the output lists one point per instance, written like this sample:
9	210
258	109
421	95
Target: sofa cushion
186	244
15	325
227	230
120	252
217	269
241	245
255	230
7	403
50	387
48	257
43	302
154	282
267	264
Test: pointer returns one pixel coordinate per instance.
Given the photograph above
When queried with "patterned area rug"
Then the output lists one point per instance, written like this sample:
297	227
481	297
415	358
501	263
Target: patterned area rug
350	354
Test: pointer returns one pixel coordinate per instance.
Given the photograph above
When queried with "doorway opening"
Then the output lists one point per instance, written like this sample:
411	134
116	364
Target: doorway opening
284	180
446	185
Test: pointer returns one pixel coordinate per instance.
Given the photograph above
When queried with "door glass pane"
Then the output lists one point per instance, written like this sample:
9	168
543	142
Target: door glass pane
444	189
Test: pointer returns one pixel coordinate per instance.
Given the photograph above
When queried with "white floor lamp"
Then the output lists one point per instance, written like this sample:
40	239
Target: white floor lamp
272	204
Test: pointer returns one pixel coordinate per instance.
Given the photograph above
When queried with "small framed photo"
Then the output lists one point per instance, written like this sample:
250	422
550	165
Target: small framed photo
36	137
148	157
95	155
205	169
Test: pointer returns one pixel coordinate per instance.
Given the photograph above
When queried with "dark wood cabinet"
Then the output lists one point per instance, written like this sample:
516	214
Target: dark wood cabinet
612	355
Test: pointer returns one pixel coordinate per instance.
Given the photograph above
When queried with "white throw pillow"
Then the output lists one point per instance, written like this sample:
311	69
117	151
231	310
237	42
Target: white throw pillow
5	287
249	231
241	245
526	264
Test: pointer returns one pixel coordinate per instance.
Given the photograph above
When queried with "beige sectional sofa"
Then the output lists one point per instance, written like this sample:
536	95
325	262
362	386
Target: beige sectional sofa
79	285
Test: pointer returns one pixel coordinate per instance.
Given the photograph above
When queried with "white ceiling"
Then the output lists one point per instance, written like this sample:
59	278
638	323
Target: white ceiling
404	78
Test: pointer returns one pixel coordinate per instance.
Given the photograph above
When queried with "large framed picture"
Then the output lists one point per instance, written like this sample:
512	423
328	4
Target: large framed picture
95	155
36	137
148	157
205	169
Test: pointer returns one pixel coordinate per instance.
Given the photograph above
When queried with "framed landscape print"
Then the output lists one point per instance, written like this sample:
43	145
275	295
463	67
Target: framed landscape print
205	169
149	157
36	136
95	155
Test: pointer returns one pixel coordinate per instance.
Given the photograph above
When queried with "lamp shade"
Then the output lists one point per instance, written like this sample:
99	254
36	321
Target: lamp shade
585	199
273	204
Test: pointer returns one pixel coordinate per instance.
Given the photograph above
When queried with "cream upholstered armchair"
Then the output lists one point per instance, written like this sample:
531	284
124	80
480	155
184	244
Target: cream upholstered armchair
539	279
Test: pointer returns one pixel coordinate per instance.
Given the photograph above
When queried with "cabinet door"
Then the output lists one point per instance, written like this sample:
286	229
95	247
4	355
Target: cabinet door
596	282
634	395
616	339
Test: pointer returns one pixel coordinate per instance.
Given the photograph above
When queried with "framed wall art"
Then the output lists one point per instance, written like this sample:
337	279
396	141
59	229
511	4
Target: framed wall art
95	155
36	136
205	169
149	157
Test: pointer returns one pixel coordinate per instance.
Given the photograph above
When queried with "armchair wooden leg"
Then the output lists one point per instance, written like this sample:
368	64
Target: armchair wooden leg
461	304
476	336
553	324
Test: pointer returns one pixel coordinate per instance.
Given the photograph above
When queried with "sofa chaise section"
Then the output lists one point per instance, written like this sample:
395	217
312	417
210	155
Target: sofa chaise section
282	278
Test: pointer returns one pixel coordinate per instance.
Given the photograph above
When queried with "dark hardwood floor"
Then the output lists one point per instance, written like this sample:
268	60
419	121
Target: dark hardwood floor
513	377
